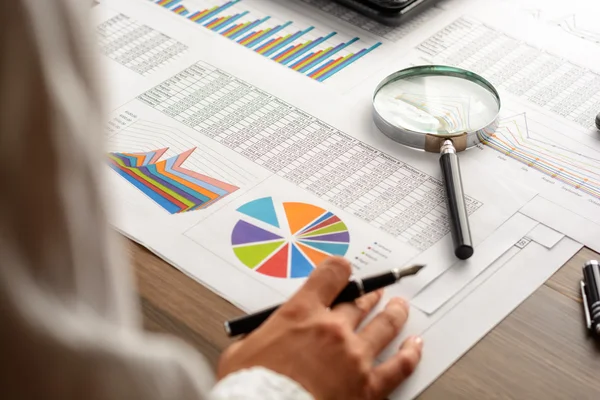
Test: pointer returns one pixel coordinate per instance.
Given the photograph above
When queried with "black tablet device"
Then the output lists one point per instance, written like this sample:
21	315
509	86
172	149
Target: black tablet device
387	12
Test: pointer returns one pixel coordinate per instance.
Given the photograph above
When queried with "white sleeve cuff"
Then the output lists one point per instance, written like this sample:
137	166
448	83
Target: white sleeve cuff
258	384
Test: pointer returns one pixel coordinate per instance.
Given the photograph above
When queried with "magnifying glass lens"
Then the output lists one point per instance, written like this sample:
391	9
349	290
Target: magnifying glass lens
436	104
442	109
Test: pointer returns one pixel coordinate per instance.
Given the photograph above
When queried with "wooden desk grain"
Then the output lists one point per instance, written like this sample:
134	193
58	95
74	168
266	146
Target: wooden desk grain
540	351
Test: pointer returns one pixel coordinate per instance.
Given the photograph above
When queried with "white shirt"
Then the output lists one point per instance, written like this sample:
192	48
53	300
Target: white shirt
69	318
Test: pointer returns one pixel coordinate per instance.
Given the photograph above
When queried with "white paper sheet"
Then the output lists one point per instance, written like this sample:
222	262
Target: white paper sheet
276	135
545	236
572	224
279	154
492	299
438	292
549	85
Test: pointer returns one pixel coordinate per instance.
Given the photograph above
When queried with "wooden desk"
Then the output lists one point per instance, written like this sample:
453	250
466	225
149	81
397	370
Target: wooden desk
540	351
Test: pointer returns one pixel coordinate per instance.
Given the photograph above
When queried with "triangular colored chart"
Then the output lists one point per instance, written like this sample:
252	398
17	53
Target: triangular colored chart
301	214
301	266
136	159
323	218
254	254
261	209
277	265
157	154
329	221
243	233
336	227
176	191
317	257
336	249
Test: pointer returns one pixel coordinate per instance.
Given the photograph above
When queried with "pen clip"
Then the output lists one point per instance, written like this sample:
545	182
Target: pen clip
588	318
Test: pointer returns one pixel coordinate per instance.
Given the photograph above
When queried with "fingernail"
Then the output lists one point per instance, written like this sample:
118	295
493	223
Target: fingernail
400	301
418	342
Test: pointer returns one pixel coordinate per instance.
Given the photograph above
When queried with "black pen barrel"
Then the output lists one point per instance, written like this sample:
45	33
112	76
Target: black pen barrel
591	276
455	202
248	323
379	282
353	290
360	287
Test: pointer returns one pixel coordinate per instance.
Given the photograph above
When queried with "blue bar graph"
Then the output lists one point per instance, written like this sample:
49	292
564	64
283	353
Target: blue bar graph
288	40
317	58
309	48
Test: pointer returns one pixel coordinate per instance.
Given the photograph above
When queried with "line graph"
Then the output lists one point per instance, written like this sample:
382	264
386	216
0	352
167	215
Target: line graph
514	139
573	25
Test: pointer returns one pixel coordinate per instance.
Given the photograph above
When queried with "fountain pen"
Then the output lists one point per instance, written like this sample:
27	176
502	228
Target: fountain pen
356	288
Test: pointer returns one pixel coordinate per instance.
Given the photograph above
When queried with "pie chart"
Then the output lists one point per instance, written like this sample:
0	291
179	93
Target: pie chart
287	239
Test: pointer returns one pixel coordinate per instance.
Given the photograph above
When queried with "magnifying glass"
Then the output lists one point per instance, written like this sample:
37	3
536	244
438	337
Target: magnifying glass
445	110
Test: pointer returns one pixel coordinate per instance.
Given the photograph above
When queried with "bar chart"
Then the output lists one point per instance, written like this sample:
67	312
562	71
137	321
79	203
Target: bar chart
316	53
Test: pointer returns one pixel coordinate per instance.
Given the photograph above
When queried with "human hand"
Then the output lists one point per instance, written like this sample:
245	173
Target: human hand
321	349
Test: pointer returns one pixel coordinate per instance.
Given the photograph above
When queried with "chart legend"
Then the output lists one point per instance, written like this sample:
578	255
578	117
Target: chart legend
173	187
290	245
318	55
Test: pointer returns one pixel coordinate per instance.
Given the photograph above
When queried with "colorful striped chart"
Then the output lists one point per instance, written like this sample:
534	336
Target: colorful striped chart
512	139
288	246
174	188
316	58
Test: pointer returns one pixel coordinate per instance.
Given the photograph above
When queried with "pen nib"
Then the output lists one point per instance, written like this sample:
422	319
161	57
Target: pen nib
401	273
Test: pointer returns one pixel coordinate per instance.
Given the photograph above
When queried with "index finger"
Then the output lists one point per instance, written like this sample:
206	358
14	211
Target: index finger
325	283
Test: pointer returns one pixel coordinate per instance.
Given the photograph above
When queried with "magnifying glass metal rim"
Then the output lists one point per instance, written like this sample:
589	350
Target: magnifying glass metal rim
448	145
429	141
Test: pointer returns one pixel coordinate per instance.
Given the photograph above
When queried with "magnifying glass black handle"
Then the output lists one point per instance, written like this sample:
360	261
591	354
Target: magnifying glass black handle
455	202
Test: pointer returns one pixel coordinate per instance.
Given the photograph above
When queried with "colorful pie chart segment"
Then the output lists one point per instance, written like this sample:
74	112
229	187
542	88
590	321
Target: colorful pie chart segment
287	240
301	214
262	210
